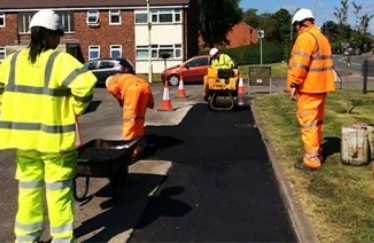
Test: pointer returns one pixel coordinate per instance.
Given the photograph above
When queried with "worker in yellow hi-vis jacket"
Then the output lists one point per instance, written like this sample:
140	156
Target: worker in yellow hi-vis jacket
41	93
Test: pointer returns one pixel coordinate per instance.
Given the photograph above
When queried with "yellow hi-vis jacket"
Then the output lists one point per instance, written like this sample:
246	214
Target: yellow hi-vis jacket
39	102
311	65
222	62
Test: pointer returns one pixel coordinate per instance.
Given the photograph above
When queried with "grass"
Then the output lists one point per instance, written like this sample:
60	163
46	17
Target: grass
338	200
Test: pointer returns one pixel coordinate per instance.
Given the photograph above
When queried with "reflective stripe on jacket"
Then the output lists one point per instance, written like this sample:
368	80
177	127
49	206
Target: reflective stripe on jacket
311	64
222	62
40	101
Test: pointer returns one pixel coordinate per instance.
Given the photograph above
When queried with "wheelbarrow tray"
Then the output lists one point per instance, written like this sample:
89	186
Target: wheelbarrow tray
100	158
104	158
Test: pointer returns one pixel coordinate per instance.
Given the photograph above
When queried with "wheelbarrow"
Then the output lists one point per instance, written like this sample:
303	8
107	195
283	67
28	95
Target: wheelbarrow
101	158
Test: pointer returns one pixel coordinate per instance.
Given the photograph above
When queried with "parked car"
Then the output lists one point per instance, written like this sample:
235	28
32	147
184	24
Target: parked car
192	70
104	67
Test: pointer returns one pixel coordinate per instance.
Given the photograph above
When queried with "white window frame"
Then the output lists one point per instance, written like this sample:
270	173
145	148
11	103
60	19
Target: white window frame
156	51
93	48
115	13
24	19
68	17
155	16
116	48
2	16
93	14
141	13
2	53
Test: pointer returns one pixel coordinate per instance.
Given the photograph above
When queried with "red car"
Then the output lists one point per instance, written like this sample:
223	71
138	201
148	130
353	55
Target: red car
192	70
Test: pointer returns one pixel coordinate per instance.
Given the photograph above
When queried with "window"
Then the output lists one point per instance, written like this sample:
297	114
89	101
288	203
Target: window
93	52
199	62
141	18
159	16
92	17
175	51
115	51
165	17
2	53
91	65
2	19
106	65
115	17
67	21
24	22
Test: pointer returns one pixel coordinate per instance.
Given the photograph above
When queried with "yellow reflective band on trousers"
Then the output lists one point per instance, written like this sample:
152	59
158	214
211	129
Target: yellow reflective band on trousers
52	172
310	114
39	105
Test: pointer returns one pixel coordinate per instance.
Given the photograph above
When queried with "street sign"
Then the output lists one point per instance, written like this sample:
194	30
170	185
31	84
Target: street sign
260	34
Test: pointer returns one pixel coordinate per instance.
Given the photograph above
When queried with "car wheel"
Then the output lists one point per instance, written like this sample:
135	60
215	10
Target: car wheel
174	80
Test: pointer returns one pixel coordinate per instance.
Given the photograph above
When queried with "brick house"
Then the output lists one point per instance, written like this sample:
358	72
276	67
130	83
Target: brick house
110	28
241	34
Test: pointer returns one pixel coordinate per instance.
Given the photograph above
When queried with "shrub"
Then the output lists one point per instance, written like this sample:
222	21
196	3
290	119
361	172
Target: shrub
271	53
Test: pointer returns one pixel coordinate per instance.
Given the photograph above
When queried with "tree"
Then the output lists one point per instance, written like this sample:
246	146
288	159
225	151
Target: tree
341	14
216	19
252	18
283	18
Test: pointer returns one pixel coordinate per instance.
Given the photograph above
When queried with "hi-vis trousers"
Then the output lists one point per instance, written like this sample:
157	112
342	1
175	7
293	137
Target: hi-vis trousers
54	172
310	114
135	105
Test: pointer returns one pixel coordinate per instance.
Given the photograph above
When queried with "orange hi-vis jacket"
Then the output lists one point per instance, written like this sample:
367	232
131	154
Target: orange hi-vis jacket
311	66
136	96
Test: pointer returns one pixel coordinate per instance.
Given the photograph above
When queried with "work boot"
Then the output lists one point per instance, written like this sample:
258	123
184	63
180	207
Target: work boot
301	166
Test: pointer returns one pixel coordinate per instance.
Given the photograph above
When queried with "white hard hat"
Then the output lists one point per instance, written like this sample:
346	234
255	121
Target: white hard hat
213	51
302	14
48	19
107	81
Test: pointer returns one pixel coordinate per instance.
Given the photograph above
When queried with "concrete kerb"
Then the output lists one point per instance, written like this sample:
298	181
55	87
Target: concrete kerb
303	228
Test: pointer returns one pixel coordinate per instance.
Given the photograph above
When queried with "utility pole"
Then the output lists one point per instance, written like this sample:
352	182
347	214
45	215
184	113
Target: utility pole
260	36
149	42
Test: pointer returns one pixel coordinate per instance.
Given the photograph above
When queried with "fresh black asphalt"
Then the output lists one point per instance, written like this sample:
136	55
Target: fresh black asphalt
221	187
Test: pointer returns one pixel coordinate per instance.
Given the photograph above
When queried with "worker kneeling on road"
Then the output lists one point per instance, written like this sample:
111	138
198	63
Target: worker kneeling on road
135	97
310	77
218	61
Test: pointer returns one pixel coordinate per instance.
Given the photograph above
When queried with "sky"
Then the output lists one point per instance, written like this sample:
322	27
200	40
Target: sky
322	9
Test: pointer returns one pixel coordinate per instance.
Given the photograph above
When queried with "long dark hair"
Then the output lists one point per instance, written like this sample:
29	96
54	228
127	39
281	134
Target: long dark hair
39	42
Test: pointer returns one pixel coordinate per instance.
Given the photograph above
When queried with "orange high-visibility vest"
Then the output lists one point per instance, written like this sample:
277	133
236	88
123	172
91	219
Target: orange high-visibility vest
311	65
136	96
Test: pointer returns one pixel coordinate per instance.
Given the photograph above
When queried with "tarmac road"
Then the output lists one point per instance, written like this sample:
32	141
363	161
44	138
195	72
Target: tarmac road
209	178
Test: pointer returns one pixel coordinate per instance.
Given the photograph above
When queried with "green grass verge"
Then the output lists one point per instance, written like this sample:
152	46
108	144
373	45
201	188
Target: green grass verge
338	200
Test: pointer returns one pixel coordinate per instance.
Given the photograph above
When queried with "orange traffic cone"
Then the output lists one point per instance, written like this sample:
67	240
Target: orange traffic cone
241	88
241	92
166	103
78	141
181	90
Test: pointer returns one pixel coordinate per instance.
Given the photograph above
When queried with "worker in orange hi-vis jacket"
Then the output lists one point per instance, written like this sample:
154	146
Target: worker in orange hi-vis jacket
310	78
135	97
